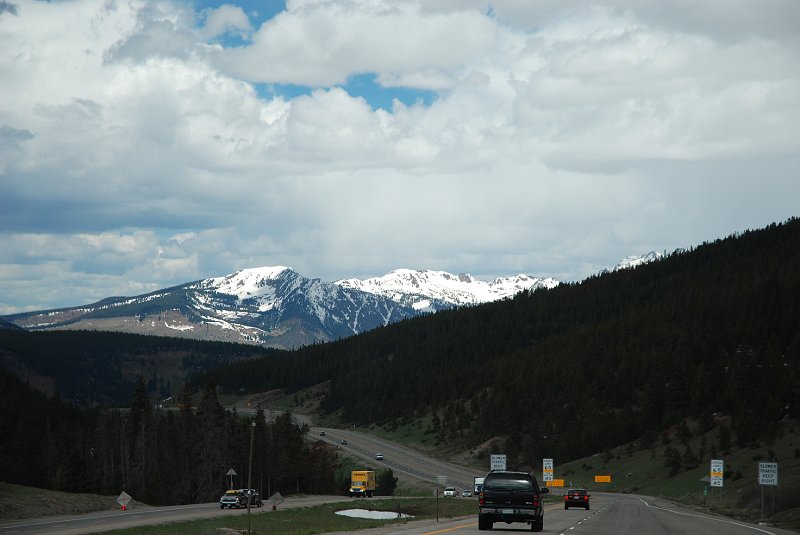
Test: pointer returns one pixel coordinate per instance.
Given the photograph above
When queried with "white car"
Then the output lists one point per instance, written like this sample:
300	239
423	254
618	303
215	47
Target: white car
450	491
379	456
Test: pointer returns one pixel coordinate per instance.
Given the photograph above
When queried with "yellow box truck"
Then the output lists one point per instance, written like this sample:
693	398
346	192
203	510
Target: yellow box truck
362	483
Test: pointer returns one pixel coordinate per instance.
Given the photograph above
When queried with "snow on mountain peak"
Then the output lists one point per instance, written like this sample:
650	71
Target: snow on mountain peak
247	283
633	261
432	290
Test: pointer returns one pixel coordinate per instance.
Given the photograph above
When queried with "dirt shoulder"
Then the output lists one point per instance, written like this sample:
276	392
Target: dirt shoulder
17	501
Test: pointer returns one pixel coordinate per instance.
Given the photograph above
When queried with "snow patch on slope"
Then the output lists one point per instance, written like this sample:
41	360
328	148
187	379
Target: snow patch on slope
633	261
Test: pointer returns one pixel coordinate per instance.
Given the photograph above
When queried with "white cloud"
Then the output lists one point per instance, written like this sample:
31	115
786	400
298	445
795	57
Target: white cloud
226	18
135	155
323	43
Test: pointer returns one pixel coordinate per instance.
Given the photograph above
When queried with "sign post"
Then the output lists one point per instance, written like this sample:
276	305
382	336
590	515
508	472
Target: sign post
123	499
276	499
768	477
230	473
547	470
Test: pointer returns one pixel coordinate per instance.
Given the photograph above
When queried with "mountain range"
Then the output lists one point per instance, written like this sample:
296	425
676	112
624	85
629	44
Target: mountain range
278	307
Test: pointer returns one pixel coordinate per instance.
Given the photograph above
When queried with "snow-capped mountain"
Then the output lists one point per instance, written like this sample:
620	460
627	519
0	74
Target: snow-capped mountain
274	306
278	307
429	291
633	261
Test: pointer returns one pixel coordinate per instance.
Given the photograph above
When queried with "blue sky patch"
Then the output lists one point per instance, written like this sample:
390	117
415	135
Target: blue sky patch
361	85
287	91
258	11
367	87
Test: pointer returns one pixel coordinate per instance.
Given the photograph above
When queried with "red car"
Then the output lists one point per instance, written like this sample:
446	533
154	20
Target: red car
576	498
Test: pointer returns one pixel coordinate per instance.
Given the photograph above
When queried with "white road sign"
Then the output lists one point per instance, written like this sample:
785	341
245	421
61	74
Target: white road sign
717	472
547	469
768	474
124	498
497	462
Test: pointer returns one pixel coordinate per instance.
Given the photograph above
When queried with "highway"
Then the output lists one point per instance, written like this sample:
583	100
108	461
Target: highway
610	513
402	460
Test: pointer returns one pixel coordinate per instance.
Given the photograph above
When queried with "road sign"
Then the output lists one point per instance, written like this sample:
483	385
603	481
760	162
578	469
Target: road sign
230	473
555	483
717	472
497	462
123	499
276	499
602	479
441	480
768	474
547	469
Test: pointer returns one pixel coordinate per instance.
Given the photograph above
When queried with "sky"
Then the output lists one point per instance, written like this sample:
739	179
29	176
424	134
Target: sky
145	144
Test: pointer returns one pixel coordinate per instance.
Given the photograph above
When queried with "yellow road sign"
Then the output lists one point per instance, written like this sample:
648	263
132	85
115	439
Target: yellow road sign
602	479
555	483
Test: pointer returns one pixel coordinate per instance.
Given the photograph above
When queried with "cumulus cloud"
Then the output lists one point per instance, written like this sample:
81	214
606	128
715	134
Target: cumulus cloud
225	19
323	43
136	150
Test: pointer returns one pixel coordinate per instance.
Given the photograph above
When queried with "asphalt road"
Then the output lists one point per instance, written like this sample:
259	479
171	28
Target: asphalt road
141	516
399	458
611	514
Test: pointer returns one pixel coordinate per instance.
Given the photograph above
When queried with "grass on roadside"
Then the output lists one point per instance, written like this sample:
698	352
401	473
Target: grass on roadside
18	501
318	519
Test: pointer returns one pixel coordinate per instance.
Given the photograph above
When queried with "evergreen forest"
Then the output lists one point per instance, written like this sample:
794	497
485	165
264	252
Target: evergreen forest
583	367
704	333
160	457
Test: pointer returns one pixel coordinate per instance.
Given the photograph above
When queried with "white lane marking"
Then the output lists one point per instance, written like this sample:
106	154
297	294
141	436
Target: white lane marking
720	520
586	518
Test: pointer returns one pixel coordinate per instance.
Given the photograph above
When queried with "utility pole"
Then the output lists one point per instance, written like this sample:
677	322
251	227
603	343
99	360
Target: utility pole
250	477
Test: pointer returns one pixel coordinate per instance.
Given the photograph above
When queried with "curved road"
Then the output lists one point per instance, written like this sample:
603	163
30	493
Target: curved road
399	458
611	514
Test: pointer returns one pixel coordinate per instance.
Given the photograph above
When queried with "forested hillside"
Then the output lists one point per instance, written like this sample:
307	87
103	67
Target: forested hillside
582	367
157	456
96	368
575	370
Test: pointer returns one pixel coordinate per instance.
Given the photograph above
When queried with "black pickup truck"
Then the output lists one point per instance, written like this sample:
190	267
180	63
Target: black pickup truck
511	497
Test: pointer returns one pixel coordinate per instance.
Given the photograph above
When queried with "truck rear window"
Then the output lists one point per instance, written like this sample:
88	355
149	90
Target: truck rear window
508	484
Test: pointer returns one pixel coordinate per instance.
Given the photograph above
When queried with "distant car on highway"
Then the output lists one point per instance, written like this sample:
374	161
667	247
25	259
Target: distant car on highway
450	491
576	498
466	493
379	456
343	441
322	433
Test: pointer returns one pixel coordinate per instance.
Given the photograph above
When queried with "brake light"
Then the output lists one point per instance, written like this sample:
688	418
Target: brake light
536	501
585	497
566	497
480	499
